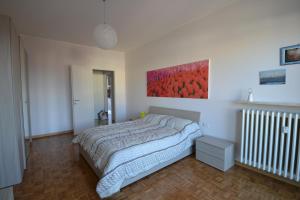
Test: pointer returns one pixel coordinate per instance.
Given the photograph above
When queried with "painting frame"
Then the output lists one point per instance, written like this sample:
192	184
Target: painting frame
191	79
272	77
284	51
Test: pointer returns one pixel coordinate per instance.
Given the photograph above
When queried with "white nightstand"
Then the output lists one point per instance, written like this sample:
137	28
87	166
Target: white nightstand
215	152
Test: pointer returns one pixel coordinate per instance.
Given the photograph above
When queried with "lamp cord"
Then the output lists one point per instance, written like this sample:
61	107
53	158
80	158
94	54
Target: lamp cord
104	11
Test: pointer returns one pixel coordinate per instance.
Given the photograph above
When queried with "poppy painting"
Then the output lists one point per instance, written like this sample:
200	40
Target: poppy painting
181	81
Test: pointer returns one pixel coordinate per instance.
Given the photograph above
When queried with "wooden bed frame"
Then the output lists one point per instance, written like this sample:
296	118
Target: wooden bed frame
192	115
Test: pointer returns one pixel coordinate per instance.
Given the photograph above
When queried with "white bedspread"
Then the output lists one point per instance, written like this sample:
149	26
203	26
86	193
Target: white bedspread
124	150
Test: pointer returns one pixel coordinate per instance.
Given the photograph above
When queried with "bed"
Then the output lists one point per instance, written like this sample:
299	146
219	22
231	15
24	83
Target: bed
123	153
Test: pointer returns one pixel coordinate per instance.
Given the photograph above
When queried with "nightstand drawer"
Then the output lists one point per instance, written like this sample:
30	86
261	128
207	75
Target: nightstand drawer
211	150
216	152
210	160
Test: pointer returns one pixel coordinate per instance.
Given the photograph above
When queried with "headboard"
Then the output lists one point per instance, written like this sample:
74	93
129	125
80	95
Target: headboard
186	114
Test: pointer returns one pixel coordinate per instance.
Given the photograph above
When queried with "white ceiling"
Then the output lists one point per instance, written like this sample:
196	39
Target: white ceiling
137	22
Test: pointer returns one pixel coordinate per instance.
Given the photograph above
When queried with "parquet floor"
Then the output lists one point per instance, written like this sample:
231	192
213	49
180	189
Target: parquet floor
56	171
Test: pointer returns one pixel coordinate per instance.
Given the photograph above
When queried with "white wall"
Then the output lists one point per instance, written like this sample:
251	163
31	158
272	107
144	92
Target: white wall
49	80
99	87
240	41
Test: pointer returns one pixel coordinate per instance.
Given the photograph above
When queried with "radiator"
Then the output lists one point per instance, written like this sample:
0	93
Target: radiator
270	141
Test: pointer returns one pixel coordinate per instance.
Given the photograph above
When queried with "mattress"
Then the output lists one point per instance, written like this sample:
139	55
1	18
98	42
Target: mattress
122	151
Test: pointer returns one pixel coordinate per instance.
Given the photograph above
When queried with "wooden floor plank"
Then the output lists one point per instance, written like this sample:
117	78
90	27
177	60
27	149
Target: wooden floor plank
56	171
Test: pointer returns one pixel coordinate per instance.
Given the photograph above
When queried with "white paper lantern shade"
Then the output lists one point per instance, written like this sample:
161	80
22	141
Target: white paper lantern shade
105	36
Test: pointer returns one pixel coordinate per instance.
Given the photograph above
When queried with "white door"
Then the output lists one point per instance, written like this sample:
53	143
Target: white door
82	98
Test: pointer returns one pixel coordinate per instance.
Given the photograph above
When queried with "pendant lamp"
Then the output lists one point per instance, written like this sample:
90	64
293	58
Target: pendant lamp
105	36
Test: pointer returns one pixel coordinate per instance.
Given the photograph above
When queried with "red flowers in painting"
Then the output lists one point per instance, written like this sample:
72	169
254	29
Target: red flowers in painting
182	81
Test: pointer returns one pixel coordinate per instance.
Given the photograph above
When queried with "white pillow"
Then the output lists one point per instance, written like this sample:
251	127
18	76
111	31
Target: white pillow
148	117
157	118
153	118
168	121
180	123
171	122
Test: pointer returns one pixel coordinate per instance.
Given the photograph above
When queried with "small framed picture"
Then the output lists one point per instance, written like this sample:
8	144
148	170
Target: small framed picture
290	55
272	77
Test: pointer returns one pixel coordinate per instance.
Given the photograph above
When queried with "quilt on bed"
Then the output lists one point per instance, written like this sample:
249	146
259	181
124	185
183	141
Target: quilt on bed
124	150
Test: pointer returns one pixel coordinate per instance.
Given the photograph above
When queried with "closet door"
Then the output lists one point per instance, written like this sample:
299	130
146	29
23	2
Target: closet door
17	94
82	98
11	134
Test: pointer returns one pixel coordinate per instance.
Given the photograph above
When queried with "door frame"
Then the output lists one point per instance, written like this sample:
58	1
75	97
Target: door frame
25	90
112	72
92	69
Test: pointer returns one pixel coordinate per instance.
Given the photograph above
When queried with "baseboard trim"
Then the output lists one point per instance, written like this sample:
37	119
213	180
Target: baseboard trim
268	174
40	136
